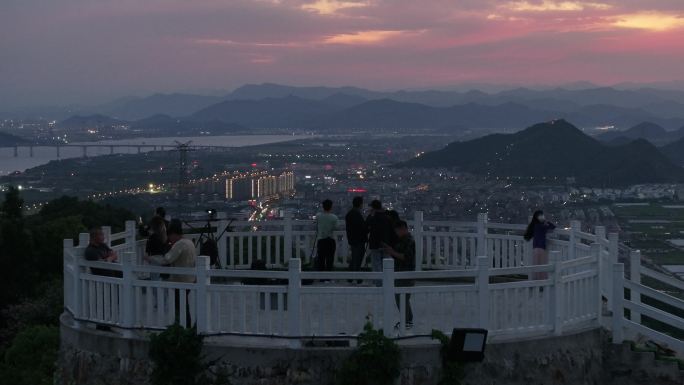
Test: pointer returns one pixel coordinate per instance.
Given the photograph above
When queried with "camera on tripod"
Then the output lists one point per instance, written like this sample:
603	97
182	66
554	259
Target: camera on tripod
209	235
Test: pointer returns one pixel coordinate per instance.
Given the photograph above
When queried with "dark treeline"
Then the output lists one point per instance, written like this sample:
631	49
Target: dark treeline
31	280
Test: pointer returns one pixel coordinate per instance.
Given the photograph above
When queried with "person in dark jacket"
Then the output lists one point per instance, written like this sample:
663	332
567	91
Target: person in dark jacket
357	233
536	231
393	216
98	250
379	233
157	243
404	254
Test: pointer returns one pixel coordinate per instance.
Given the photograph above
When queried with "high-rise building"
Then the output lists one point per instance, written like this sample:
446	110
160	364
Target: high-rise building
258	185
239	188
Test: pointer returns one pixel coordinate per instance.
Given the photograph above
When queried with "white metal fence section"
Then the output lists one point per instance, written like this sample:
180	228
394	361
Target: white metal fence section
646	311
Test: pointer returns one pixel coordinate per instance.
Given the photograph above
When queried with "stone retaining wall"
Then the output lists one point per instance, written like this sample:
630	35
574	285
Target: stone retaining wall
93	357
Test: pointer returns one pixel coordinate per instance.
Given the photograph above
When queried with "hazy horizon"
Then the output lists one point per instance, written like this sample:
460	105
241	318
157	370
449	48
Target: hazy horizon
677	85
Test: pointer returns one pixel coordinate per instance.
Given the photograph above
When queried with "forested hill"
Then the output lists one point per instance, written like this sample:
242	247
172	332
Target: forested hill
555	149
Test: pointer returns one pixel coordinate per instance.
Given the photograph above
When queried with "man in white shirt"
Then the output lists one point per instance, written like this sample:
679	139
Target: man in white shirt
182	254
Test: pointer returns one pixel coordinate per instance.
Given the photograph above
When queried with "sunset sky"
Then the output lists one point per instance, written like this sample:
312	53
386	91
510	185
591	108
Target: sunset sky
64	51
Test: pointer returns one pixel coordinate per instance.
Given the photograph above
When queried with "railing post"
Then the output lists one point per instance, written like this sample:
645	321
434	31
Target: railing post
557	297
418	237
127	298
618	299
482	234
75	295
635	277
612	258
294	286
388	295
288	235
130	234
201	298
600	232
575	227
83	239
483	291
222	242
107	231
596	253
613	247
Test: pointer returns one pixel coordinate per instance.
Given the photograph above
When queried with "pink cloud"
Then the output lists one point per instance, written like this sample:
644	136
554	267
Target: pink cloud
82	49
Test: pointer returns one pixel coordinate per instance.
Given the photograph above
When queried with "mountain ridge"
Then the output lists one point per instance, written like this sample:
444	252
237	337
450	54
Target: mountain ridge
555	149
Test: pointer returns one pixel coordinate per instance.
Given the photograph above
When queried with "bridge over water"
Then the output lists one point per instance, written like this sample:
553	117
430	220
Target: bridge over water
29	150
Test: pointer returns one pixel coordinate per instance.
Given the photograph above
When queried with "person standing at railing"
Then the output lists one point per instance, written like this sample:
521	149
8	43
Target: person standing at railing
357	233
98	250
144	229
393	216
404	253
158	241
379	233
326	222
536	231
181	254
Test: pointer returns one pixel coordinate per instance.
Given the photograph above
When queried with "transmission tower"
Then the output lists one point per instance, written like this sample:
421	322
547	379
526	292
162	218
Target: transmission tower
183	170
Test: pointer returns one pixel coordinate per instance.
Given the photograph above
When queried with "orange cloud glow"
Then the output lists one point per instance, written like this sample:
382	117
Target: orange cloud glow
363	37
555	6
652	21
330	7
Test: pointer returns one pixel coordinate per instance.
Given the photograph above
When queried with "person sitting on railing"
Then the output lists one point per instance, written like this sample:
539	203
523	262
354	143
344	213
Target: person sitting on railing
98	250
536	231
181	254
404	254
326	222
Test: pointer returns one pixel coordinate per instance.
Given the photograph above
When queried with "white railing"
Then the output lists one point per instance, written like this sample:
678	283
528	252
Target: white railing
470	274
439	244
661	307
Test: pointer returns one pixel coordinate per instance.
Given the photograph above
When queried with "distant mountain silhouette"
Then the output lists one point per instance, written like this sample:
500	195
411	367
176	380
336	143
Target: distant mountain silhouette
342	111
286	112
585	104
166	125
391	114
156	125
174	105
9	140
646	130
271	90
649	101
90	121
599	106
675	150
343	100
555	149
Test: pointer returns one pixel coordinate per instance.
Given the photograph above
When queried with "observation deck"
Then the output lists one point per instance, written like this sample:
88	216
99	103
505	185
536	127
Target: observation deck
469	275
